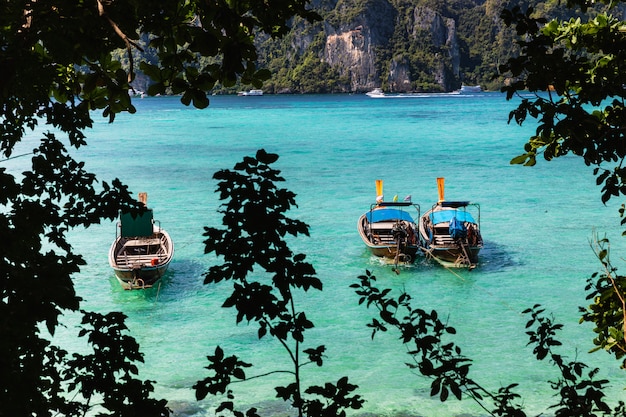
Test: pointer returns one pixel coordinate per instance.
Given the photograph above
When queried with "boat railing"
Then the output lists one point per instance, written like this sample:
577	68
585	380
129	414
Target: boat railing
395	204
157	223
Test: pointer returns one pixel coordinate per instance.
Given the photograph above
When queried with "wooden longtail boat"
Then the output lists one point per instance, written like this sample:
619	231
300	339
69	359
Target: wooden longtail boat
450	231
388	229
142	250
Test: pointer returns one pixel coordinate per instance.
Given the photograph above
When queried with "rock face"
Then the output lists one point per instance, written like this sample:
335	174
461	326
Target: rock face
351	47
353	52
401	46
357	48
444	37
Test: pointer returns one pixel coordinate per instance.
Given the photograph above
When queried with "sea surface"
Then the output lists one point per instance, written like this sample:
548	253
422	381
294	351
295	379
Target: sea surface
537	223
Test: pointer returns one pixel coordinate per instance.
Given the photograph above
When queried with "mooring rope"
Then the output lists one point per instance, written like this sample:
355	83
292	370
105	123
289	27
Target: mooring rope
396	259
158	290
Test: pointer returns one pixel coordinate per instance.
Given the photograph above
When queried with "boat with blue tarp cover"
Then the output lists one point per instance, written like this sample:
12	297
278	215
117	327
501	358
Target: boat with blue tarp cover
450	231
389	230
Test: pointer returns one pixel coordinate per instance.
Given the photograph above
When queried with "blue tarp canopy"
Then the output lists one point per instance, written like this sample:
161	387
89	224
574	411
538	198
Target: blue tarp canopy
388	214
447	215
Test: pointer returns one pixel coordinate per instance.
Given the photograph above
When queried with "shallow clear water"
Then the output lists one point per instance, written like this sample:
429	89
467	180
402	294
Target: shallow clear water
536	222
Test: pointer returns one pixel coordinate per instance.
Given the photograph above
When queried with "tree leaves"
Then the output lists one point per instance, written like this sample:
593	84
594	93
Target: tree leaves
574	69
109	371
423	333
58	64
265	275
606	290
577	393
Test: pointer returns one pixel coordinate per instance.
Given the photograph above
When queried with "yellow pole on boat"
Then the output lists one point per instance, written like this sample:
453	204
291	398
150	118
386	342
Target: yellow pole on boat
440	188
143	198
379	188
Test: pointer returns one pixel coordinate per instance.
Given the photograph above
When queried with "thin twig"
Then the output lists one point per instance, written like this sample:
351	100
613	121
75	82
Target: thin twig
608	270
129	42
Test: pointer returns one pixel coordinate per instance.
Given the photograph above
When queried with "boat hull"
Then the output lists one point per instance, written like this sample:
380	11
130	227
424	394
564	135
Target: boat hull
453	256
140	277
139	263
406	254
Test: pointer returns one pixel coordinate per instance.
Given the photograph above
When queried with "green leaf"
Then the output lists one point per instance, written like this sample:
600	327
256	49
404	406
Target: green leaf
519	159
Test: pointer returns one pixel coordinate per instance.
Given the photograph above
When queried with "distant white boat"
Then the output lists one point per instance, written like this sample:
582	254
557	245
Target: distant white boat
136	93
471	89
377	92
250	93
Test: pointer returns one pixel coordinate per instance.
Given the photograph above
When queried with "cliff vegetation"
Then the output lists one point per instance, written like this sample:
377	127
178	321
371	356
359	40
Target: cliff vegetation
397	45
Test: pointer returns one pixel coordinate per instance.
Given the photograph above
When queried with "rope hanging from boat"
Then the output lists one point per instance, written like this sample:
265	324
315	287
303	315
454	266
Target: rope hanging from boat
136	282
429	254
396	259
399	234
158	291
467	260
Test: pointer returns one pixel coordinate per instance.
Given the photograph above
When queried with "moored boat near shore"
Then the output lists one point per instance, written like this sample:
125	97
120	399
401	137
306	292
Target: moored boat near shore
250	93
142	250
450	232
389	230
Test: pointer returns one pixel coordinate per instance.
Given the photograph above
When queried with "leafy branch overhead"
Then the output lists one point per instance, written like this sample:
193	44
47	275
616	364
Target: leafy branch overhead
574	67
252	242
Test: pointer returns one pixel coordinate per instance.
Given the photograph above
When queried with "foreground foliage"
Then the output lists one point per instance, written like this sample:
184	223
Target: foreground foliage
574	68
57	66
252	243
434	356
608	309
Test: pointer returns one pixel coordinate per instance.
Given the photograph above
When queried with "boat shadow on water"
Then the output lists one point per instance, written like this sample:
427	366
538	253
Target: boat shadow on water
495	257
184	277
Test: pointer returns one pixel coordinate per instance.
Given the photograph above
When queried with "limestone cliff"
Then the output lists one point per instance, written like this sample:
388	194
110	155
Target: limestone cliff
408	46
351	46
357	47
353	53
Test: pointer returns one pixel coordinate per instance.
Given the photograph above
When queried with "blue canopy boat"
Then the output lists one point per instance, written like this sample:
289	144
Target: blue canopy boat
450	232
388	229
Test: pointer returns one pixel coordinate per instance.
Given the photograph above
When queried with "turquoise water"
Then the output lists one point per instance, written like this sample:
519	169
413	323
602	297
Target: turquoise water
536	222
